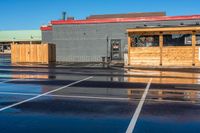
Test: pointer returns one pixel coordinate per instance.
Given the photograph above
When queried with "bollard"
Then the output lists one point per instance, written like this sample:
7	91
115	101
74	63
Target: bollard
108	61
103	61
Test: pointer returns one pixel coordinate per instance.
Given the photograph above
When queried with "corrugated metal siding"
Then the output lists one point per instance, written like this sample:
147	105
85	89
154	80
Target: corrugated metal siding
88	42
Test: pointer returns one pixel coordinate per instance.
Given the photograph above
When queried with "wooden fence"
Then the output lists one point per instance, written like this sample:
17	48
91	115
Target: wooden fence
33	53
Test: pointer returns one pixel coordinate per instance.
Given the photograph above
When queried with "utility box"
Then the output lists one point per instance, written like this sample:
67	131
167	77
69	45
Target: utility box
33	53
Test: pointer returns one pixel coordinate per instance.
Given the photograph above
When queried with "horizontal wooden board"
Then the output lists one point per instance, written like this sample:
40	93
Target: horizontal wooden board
177	56
145	56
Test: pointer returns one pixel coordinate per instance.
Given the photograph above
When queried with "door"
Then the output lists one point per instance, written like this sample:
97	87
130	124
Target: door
1	49
115	49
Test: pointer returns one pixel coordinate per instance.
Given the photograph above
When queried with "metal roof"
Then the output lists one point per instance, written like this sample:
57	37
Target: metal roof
128	15
20	35
125	20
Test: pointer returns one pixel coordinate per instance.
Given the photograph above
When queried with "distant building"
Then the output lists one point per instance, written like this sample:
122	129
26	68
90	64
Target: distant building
104	35
18	37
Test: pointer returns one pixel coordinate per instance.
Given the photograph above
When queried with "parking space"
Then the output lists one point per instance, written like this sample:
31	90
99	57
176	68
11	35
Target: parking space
62	99
71	109
169	117
172	104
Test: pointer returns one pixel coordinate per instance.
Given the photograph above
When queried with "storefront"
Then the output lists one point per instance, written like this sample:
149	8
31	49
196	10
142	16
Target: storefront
5	48
164	46
18	37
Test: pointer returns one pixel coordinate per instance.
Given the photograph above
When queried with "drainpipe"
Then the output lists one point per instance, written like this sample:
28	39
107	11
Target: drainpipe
107	40
108	59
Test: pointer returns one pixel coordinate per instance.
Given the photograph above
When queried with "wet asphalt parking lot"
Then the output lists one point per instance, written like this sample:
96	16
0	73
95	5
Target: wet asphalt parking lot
64	99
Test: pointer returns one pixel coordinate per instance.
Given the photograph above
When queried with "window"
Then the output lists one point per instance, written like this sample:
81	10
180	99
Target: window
145	41
177	40
198	39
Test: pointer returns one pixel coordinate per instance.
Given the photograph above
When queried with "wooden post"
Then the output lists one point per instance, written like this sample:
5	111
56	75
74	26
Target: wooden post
161	47
129	48
193	47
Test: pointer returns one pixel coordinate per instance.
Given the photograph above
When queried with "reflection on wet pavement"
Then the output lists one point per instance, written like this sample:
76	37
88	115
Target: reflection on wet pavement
169	118
5	60
105	103
164	77
165	95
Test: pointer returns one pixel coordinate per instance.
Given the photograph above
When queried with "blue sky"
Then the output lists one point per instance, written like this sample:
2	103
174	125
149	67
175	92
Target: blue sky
31	14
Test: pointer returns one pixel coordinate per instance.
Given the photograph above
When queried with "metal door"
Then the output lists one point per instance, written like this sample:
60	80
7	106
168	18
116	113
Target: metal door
115	49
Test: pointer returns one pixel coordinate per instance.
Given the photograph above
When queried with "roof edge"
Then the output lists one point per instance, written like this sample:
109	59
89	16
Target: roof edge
125	20
46	28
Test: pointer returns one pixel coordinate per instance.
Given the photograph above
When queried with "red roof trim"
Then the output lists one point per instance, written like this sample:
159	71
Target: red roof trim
46	28
124	20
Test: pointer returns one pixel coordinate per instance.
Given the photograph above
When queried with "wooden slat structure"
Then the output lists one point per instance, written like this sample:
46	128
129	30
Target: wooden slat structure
33	53
145	56
164	55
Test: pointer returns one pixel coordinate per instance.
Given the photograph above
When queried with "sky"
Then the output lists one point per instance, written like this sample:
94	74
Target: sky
31	14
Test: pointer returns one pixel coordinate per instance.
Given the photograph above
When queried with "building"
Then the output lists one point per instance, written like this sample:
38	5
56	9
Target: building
164	46
18	37
106	36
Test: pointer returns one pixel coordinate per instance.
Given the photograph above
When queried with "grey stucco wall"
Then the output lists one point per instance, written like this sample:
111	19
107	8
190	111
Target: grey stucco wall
47	36
88	42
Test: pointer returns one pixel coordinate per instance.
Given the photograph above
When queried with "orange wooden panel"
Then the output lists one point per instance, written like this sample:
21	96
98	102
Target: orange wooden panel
145	56
177	56
33	53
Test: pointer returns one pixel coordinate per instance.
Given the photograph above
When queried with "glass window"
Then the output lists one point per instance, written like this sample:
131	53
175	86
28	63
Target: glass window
198	39
177	40
145	41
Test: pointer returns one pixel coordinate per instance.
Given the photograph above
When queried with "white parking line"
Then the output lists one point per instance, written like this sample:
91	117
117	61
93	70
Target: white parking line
44	94
67	96
134	119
